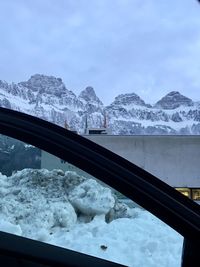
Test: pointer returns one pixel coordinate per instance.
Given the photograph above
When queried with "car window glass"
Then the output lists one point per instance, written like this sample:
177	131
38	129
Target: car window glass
45	198
173	159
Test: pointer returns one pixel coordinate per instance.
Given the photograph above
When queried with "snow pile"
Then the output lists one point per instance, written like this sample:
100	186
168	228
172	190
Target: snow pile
91	198
68	210
46	199
36	199
143	241
9	227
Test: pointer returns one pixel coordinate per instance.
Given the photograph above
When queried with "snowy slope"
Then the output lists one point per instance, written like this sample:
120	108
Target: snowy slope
48	98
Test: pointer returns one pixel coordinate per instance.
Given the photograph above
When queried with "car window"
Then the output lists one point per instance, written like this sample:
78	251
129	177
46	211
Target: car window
172	159
48	199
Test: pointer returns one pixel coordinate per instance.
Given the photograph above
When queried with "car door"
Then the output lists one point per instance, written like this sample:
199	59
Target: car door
95	162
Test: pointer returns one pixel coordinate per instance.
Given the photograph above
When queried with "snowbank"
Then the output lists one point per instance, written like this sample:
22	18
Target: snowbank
70	211
91	198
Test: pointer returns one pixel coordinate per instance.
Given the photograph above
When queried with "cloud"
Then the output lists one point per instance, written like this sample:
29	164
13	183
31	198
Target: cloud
148	47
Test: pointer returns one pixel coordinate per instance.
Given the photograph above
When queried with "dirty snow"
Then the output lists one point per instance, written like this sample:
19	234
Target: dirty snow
71	211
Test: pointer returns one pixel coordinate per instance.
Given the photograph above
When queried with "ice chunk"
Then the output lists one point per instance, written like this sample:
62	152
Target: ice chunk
91	198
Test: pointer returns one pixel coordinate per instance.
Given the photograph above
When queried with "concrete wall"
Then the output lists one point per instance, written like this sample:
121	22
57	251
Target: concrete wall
174	159
51	162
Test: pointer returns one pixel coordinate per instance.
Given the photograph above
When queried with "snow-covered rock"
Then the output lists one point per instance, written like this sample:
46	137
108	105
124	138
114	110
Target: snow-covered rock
173	114
89	96
173	100
91	103
45	84
129	99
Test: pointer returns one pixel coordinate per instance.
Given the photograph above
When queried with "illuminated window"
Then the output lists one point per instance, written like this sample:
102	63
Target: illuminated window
185	191
196	194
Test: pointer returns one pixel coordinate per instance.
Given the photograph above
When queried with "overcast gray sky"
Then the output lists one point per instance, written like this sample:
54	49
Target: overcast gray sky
149	47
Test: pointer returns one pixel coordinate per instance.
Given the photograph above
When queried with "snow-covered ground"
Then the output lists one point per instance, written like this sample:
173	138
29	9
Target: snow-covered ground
68	210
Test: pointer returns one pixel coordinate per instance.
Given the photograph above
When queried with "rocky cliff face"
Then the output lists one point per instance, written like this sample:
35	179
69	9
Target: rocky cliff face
129	99
48	98
173	100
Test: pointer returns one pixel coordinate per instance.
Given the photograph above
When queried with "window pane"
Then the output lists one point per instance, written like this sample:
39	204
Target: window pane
196	194
185	191
55	202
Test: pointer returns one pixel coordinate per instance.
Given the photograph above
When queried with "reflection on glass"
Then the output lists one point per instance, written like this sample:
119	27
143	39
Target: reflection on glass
185	191
55	202
16	155
196	194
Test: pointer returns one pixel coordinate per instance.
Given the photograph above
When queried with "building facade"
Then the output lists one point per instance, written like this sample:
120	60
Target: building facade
173	159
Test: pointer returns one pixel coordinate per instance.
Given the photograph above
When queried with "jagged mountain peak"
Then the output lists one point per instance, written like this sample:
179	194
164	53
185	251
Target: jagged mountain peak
3	84
45	78
129	98
45	84
173	100
89	95
89	90
47	97
173	93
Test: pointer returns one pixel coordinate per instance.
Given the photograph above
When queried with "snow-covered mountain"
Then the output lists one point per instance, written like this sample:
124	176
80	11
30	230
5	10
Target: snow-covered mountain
174	100
48	98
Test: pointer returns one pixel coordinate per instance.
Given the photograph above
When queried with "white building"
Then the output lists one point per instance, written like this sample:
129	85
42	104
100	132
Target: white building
173	159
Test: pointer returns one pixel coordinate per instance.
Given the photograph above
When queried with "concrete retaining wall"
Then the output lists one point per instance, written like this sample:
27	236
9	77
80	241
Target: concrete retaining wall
174	159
